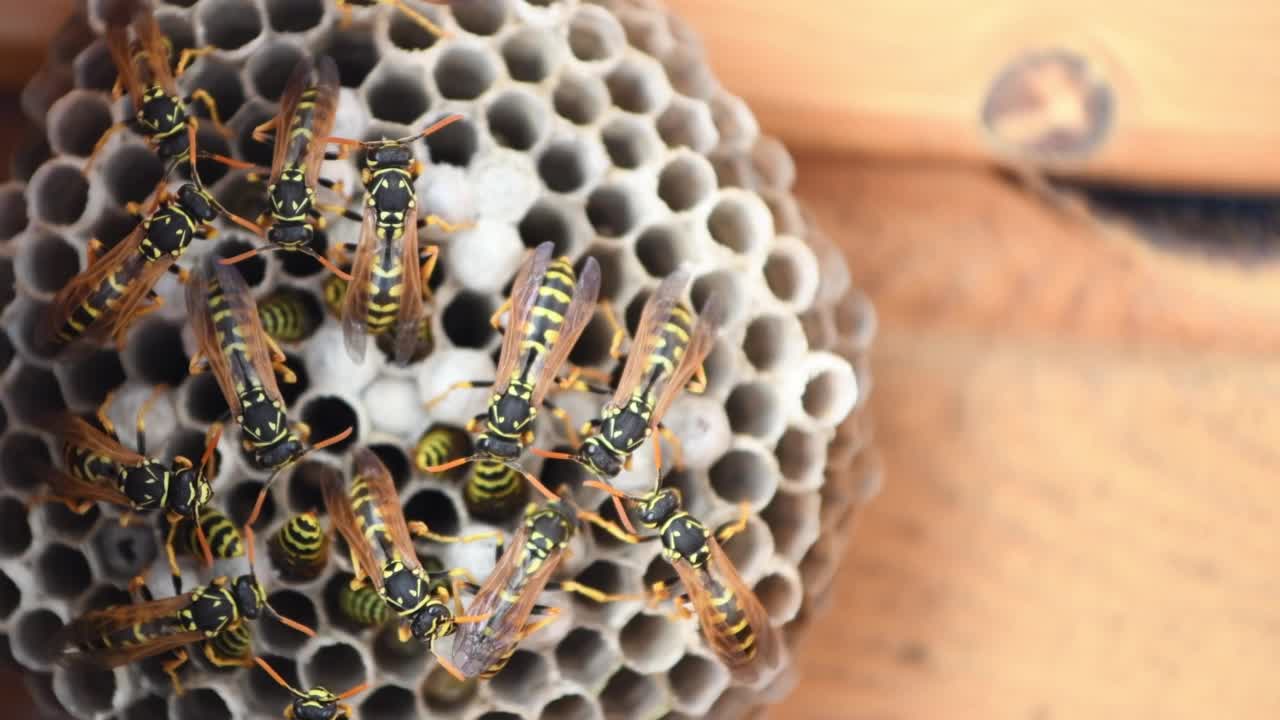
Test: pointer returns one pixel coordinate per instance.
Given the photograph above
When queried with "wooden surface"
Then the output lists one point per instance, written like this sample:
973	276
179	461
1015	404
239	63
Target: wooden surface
1079	516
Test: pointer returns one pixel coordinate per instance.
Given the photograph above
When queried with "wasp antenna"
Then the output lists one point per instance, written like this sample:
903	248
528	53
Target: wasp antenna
536	483
329	265
335	439
623	515
436	126
270	671
242	256
205	550
354	691
605	487
551	454
451	464
211	444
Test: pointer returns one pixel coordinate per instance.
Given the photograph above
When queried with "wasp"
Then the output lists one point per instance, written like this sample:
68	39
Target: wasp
335	294
289	315
229	649
369	517
668	351
549	308
244	360
508	597
300	548
344	7
220	533
733	622
307	114
122	634
493	491
318	703
389	271
160	112
100	468
364	606
117	288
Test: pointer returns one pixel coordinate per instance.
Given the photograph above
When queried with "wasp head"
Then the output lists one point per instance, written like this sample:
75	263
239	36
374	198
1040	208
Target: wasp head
290	236
386	156
433	622
498	447
189	491
249	595
198	203
318	704
599	458
658	506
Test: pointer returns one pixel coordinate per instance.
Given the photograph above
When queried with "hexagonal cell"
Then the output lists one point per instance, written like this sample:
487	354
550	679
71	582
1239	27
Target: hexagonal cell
612	210
629	694
32	152
292	16
264	692
464	72
8	288
58	193
132	173
155	355
178	31
734	121
62	571
630	141
688	123
781	596
13	211
389	702
230	24
466	320
638	86
792	277
529	54
755	409
270	68
400	659
517	120
612	269
832	388
727	285
525	676
77	121
336	665
585	657
444	694
30	635
595	36
434	508
47	263
580	98
204	401
499	715
740	222
799	454
71	525
592	347
329	415
254	269
396	94
651	643
355	53
124	552
570	707
697	681
408	34
295	606
87	380
94	69
34	394
85	689
10	593
773	341
749	549
564	166
243	496
454	144
686	181
211	171
151	707
15	531
200	704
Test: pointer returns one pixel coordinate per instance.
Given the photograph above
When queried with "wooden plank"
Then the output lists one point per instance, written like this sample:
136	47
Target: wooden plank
908	78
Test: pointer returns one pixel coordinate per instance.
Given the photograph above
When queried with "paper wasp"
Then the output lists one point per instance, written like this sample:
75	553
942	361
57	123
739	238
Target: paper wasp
290	315
318	703
307	113
509	596
493	491
300	548
160	113
369	517
100	468
244	360
117	288
389	271
232	648
364	606
220	533
733	622
549	309
122	634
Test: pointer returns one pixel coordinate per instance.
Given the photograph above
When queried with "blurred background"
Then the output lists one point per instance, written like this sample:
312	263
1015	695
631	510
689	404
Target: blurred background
1066	217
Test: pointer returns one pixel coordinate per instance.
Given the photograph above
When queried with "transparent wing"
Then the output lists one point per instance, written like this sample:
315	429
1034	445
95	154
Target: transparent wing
355	307
137	293
382	493
652	318
156	46
408	320
290	150
575	321
201	321
245	311
337	503
81	433
524	293
123	258
701	340
117	38
70	488
323	115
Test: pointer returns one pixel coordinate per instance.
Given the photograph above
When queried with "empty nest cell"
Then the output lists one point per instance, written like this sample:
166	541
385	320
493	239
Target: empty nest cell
570	707
630	141
77	121
336	665
150	707
517	120
93	68
132	173
479	17
651	643
792	275
155	356
242	497
85	689
13	211
464	72
389	702
685	181
292	16
755	409
443	694
397	658
525	676
47	262
264	692
408	34
295	606
435	509
30	635
529	55
466	320
629	694
270	68
580	98
831	391
740	222
396	94
230	24
453	144
595	36
34	393
355	53
123	552
10	593
781	596
638	86
612	210
585	657
58	193
548	222
15	530
688	123
564	166
697	681
200	704
329	415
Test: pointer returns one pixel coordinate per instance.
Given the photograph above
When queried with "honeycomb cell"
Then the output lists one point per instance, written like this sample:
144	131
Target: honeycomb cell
781	596
30	635
62	571
740	222
831	390
593	346
396	94
734	122
178	31
548	222
755	409
253	270
204	402
612	269
270	68
435	509
498	715
395	459
651	643
294	16
31	153
123	552
454	144
403	660
697	681
355	53
209	140
156	357
58	193
241	499
595	36
48	262
336	665
85	689
329	415
389	702
77	121
529	55
570	707
10	593
295	606
612	210
230	24
517	120
638	87
466	320
443	694
68	524
563	166
265	693
685	182
580	98
407	34
13	212
749	549
630	141
798	452
93	68
15	530
629	694
132	173
792	276
688	123
525	676
34	393
585	657
200	704
88	380
773	341
464	72
725	285
150	707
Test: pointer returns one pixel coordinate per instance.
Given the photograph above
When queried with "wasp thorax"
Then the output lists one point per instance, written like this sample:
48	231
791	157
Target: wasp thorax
197	203
189	491
290	235
433	622
145	483
658	507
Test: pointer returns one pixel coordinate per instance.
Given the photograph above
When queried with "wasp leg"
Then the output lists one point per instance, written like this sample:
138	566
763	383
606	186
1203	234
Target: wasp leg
574	381
212	106
108	426
174	571
495	320
737	526
475	423
303	430
357	581
698	384
614	529
566	422
262	133
462	385
95	251
102	142
188	55
171	668
596	594
278	360
138	591
78	507
619	332
231	162
183	274
140	425
445	225
549	616
421	530
198	364
677	449
428	257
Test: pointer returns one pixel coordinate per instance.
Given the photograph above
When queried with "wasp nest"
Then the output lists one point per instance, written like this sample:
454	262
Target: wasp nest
598	127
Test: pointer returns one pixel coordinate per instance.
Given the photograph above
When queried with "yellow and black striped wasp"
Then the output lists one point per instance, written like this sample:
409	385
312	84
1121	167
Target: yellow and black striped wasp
118	288
160	112
126	633
667	353
734	623
389	272
229	649
364	606
221	534
100	468
549	306
318	703
509	596
300	548
308	110
369	518
290	315
244	360
493	491
335	295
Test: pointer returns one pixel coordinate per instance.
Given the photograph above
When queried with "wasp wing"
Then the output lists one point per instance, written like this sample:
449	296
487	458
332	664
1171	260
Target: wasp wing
701	339
382	493
524	293
122	259
244	310
290	149
66	487
575	321
200	317
355	308
323	115
79	432
337	501
409	317
648	333
87	632
117	38
156	47
137	292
